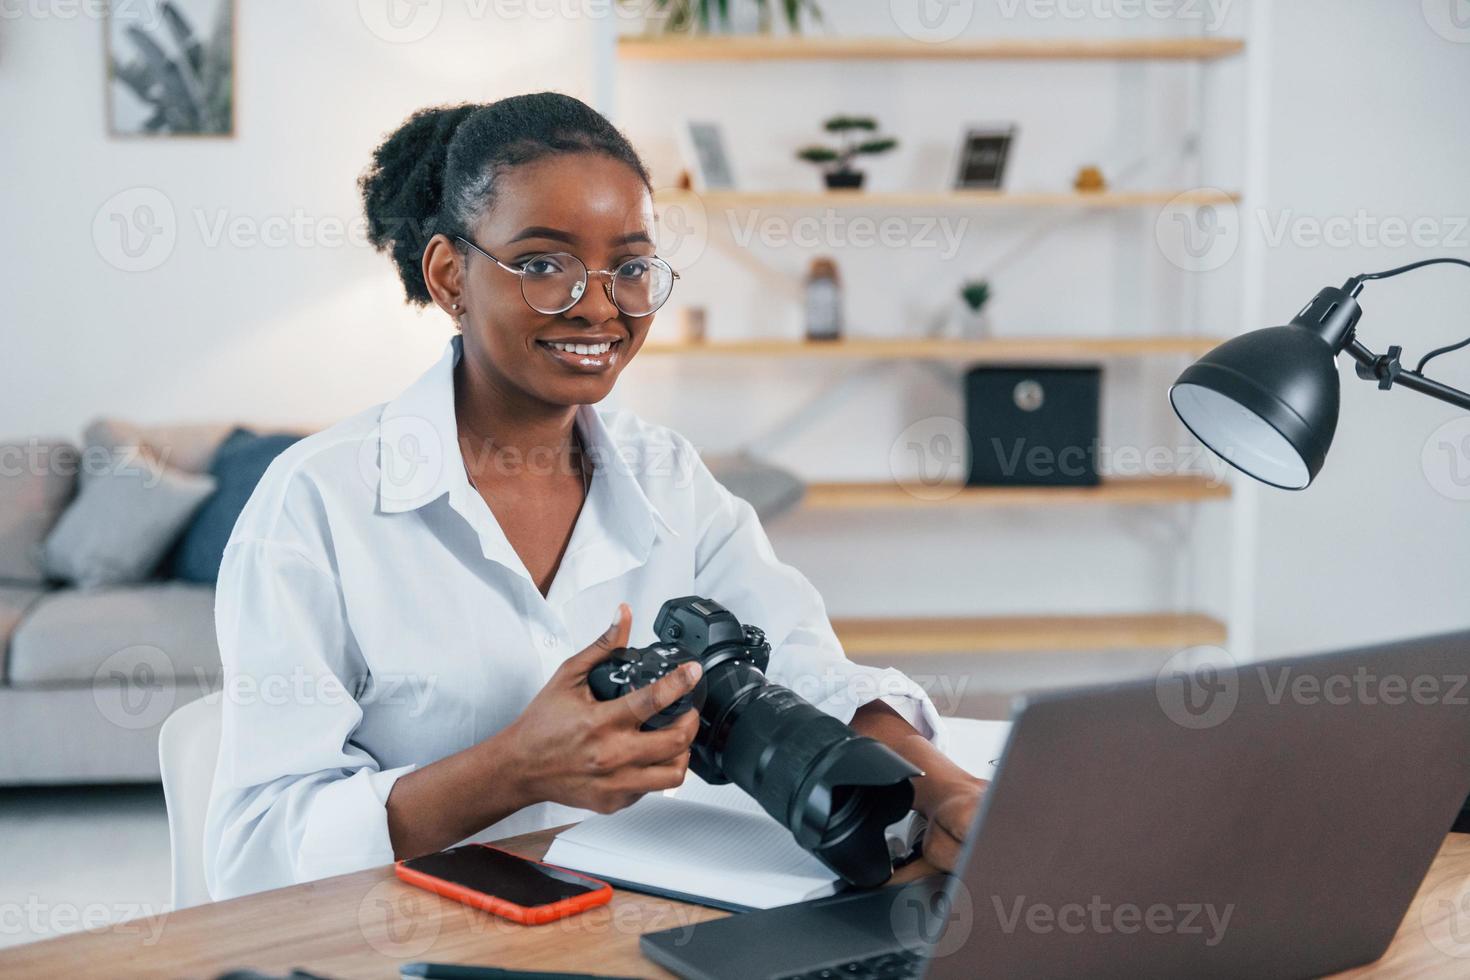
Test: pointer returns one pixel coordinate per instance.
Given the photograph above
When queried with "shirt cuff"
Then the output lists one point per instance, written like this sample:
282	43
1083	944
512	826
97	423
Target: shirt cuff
892	687
912	711
347	829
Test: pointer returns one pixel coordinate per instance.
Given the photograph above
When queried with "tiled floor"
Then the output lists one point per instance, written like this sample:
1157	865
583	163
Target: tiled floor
80	857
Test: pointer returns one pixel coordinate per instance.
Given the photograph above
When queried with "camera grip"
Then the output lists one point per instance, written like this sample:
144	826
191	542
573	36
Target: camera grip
629	668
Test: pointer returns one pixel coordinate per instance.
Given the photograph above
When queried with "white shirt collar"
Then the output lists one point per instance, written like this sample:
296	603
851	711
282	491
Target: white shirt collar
419	461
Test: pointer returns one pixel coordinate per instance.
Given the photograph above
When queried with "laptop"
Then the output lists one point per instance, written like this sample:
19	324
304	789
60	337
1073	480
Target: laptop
1271	820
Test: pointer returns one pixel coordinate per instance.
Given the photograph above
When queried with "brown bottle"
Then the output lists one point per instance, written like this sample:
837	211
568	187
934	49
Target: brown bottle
823	301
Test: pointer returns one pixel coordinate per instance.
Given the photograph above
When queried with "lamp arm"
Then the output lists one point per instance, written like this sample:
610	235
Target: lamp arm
1357	281
1385	368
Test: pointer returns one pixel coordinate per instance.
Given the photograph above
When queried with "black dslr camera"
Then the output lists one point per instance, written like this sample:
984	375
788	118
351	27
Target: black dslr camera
835	790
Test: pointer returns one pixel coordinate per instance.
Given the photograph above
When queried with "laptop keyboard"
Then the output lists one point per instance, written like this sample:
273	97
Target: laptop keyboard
884	966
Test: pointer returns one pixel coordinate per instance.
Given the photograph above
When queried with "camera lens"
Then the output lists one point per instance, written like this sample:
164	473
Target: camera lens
835	790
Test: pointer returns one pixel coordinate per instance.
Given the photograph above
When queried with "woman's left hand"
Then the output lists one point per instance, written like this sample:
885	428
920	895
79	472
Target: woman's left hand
947	796
950	817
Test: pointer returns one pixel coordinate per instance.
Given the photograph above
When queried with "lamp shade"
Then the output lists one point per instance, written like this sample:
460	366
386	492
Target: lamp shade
1266	402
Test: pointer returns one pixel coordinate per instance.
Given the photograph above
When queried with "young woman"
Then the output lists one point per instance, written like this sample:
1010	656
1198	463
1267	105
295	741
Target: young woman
410	604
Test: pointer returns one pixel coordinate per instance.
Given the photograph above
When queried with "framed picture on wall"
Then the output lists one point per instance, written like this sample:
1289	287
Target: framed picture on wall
170	67
703	146
982	157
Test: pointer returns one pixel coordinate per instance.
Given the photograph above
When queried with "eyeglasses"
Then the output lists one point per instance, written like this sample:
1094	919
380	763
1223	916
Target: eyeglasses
553	282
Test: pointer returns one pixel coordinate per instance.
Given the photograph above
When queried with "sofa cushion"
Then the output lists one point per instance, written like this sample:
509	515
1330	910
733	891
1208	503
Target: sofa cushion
15	601
37	480
57	735
157	629
190	448
237	467
124	520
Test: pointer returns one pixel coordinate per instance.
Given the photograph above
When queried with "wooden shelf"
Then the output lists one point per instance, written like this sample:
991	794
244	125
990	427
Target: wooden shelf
1119	490
767	48
1024	634
945	200
919	348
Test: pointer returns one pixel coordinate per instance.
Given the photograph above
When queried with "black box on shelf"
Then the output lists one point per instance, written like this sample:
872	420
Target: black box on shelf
1033	426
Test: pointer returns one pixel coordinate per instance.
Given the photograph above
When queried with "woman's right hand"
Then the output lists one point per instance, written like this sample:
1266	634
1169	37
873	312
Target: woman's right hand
572	749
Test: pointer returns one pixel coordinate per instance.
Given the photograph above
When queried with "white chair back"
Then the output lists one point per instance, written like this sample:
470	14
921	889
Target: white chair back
188	746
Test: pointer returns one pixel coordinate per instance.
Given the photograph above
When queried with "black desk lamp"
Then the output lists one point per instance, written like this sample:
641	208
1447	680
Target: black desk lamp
1266	401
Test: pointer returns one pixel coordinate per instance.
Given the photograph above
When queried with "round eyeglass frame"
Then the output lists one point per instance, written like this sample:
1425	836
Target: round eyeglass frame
609	284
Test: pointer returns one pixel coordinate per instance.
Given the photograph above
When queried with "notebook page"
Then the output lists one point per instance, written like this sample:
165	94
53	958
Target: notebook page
728	795
695	848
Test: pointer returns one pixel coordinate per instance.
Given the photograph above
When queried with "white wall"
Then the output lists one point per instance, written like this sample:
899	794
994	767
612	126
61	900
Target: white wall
311	327
1367	115
1366	122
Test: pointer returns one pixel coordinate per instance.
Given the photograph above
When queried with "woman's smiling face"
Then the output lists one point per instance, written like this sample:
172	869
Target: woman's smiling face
586	204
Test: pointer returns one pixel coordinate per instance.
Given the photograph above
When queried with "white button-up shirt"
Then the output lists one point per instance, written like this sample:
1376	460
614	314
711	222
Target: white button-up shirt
373	618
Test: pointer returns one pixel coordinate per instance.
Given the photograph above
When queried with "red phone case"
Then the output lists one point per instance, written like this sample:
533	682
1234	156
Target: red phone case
534	915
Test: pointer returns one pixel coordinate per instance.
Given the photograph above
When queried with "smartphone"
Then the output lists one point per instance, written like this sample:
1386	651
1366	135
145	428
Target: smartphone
505	884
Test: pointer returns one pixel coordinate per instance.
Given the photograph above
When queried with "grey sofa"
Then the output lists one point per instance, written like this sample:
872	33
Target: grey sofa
87	676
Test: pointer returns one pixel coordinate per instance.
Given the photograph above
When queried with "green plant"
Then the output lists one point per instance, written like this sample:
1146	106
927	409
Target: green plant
975	293
687	16
849	129
190	93
793	10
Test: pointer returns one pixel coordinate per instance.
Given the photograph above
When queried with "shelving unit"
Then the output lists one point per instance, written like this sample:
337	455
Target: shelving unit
946	200
1175	494
1026	634
757	48
919	348
1130	491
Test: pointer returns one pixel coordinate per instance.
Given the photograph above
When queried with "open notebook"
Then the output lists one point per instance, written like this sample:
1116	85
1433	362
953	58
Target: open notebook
709	844
714	844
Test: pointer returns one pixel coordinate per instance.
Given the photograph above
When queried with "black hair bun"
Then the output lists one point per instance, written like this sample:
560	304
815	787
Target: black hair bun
437	172
403	190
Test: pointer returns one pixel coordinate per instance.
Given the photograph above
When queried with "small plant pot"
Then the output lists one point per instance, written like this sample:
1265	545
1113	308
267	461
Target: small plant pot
844	179
969	324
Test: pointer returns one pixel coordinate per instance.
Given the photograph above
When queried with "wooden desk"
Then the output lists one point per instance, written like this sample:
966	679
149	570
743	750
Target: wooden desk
366	924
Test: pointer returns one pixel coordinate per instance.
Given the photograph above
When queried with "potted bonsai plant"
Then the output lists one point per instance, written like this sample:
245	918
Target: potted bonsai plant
853	131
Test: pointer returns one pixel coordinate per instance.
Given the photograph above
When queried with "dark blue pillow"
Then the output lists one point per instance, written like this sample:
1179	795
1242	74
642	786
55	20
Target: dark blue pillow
237	467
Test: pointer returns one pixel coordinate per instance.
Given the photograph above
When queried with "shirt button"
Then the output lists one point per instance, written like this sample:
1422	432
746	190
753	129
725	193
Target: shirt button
548	641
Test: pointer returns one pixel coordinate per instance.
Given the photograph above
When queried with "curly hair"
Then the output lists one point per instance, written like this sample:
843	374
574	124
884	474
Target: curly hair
438	172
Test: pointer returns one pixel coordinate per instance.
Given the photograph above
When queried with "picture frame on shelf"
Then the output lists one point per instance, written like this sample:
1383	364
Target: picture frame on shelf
984	152
702	145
